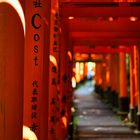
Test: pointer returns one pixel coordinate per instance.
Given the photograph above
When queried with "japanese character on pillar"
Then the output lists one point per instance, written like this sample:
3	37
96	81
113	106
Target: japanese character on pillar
55	28
64	99
55	35
65	78
54	69
34	127
34	115
53	101
34	91
55	49
52	119
37	3
34	107
34	99
52	131
54	81
55	43
62	113
35	83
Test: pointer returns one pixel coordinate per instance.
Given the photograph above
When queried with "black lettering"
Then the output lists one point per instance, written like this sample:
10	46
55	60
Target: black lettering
54	69
33	21
35	83
35	60
34	127
37	3
36	37
35	49
34	115
34	92
34	107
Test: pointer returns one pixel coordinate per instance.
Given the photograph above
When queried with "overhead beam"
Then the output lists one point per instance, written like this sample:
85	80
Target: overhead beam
101	50
91	9
106	42
107	35
91	25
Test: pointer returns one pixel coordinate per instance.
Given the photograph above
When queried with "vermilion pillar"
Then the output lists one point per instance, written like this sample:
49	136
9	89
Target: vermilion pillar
114	69
132	86
37	42
11	72
137	82
98	73
69	91
85	69
123	96
54	99
104	67
63	80
114	79
108	70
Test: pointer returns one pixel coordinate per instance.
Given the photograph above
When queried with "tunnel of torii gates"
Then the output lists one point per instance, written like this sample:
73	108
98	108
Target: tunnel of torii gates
36	68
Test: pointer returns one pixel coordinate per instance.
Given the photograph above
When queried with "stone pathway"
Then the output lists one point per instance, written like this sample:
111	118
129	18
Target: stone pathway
96	121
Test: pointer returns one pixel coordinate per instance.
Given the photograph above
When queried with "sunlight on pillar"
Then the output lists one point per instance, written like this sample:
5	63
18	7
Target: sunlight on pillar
17	6
77	72
70	55
28	134
73	82
108	76
81	68
64	120
53	60
100	81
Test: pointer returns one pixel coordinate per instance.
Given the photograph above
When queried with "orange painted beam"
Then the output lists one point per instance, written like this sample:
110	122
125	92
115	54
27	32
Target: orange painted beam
99	9
101	50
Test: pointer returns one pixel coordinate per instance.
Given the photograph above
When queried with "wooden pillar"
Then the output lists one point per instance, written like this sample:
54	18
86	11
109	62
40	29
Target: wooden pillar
123	96
104	67
137	82
114	79
63	81
108	70
132	86
81	72
98	75
69	92
37	43
85	69
54	99
114	76
11	71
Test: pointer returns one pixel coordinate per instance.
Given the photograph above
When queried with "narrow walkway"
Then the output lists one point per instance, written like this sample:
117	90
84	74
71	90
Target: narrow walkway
96	121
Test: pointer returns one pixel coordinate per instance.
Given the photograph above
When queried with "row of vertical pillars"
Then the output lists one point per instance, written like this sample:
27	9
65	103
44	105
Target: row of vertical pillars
117	81
35	72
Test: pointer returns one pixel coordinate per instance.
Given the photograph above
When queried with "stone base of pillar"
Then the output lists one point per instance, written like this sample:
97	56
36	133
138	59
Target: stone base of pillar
124	104
138	121
132	115
135	114
130	119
